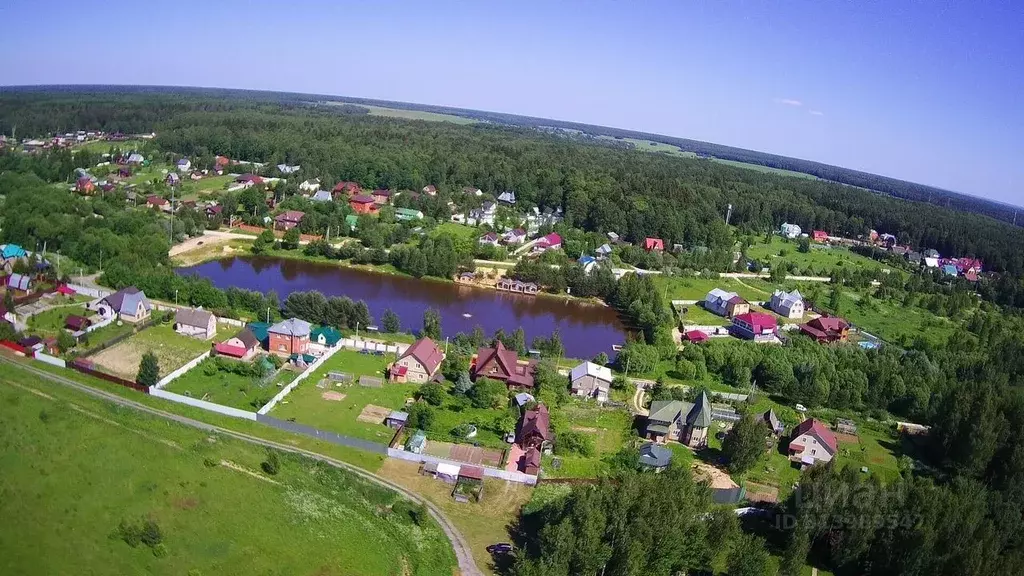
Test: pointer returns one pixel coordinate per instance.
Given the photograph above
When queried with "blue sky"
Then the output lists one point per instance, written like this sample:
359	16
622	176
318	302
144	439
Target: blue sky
925	91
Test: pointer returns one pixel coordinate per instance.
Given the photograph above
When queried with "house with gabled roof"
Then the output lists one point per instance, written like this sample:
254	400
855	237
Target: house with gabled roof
500	363
790	231
508	197
787	304
514	237
324	337
603	251
756	326
654	245
381	196
321	196
128	304
346	189
184	165
826	329
20	283
311	185
772	421
680	421
727	304
197	323
534	430
405	214
248	180
363	204
418	364
590	380
819	236
812	442
489	239
241	346
550	242
288	219
430	190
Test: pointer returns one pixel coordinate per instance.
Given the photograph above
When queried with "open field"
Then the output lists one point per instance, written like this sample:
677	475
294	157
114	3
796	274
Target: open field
172	351
894	322
822	258
609	428
416	115
765	169
697	288
104	146
227	388
482	523
75	470
109	332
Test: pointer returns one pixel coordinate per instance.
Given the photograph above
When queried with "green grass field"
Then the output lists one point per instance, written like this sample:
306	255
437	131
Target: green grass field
228	388
416	115
74	470
822	258
51	322
894	322
104	147
765	169
609	427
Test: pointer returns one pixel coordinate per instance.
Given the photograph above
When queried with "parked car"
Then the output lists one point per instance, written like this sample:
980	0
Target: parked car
800	408
502	548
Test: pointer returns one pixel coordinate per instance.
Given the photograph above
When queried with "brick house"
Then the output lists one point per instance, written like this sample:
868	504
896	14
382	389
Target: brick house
289	337
288	220
827	329
363	204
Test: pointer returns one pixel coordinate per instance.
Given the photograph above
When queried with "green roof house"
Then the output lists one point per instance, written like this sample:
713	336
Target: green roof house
352	220
260	331
680	421
325	336
408	214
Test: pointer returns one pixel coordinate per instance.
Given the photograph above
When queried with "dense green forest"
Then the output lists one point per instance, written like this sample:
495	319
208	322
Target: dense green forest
964	509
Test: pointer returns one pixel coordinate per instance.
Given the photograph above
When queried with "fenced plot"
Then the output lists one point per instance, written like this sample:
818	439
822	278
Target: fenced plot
464	453
227	388
172	351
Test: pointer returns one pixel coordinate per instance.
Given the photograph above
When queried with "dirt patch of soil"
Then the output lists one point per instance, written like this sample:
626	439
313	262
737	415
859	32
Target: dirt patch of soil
333	396
847	438
373	414
761	493
715	477
583	429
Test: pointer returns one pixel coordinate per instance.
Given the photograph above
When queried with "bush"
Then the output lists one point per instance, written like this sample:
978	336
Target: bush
432	393
272	465
151	534
574	443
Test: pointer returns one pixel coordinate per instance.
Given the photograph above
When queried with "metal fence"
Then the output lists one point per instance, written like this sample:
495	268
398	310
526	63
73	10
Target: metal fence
212	407
318	434
509	475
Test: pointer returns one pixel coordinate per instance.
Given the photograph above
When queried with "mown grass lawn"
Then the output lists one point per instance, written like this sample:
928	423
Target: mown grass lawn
171	349
697	288
51	322
227	388
822	258
417	115
74	471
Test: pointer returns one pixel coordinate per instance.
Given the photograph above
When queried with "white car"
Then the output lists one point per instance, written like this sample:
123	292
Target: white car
800	408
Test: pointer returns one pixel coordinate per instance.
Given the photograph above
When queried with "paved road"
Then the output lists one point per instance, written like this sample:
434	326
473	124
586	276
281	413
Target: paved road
467	566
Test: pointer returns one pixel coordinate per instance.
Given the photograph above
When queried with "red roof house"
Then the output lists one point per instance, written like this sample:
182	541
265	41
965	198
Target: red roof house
249	179
346	188
696	336
819	236
826	329
530	462
550	242
756	326
812	442
65	290
154	201
363	204
534	428
85	185
500	363
654	245
76	323
381	196
288	220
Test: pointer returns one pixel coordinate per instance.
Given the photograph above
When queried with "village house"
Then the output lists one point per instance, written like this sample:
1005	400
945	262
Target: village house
506	284
288	219
128	304
10	254
396	419
241	346
727	304
550	242
172	179
196	175
589	263
418	364
514	237
135	158
756	326
591	380
654	245
489	239
321	196
534	430
812	442
485	214
76	323
680	421
248	180
787	304
655	457
772	421
323	337
184	165
502	364
310	185
287	169
196	323
430	190
819	236
157	202
381	196
289	337
530	462
827	329
472	191
345	189
790	231
406	214
696	336
508	197
603	251
362	204
85	185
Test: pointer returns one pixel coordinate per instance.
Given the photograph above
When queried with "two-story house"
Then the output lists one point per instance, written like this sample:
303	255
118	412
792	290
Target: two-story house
787	304
680	421
812	442
418	364
289	337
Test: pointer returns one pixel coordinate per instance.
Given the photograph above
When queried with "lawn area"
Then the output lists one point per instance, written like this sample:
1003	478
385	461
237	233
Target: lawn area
217	513
766	169
822	258
104	146
102	335
482	523
142	175
609	427
697	288
416	115
172	351
894	322
875	450
651	146
51	322
228	388
307	405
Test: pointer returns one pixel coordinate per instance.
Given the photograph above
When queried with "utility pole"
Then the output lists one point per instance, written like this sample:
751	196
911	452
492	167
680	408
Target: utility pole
268	314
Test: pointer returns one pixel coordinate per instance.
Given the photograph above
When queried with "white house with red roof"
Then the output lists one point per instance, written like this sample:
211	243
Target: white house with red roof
550	242
491	238
756	326
812	442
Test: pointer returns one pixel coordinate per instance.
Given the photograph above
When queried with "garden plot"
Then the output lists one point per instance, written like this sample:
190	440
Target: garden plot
232	383
172	351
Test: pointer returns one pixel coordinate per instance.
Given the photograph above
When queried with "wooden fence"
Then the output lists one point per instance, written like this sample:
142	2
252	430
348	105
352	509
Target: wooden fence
85	367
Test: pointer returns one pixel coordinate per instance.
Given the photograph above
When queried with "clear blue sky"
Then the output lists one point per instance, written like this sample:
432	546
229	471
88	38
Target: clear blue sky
928	91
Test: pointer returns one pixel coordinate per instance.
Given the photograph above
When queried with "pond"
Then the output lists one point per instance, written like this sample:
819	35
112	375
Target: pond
585	329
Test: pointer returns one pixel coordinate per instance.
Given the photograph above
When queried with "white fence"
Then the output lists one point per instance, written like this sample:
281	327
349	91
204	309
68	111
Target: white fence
53	361
488	471
231	322
92	327
291	385
225	410
191	364
90	292
360	344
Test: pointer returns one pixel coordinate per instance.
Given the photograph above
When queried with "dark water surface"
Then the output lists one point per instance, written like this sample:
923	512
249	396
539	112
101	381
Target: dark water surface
585	329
